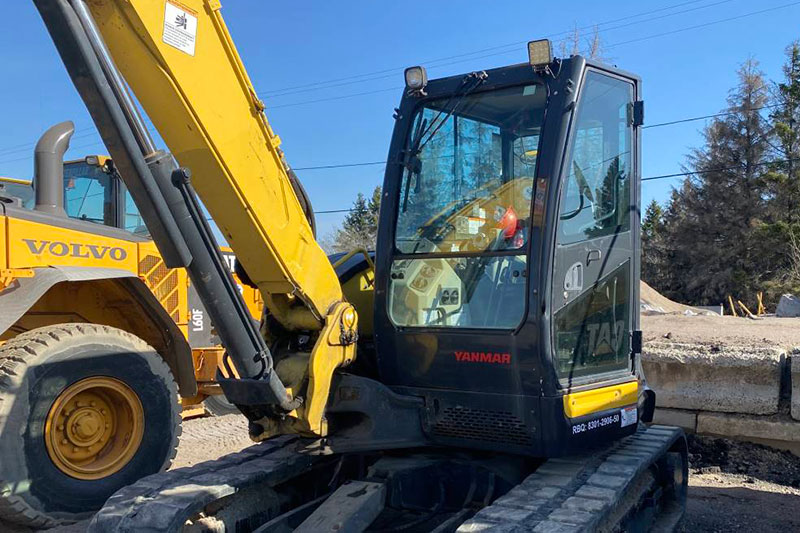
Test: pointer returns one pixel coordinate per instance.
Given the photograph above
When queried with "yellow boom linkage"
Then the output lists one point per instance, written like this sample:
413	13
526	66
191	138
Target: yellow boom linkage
181	63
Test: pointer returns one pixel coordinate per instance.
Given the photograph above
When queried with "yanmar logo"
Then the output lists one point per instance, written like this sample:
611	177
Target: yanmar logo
484	357
76	249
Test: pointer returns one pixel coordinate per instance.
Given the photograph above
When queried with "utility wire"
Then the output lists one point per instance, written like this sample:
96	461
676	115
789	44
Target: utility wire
504	52
21	147
660	124
720	169
370	76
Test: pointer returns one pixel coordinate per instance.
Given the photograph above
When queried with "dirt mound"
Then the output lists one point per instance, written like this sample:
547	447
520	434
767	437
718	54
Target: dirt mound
654	302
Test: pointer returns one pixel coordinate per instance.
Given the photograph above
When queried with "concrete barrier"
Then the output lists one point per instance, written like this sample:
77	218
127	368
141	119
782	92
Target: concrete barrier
777	431
716	378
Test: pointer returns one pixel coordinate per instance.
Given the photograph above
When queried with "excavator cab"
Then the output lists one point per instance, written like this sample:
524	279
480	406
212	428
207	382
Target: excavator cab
508	253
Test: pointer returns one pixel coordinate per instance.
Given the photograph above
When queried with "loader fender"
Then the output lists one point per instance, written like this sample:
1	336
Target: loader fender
108	296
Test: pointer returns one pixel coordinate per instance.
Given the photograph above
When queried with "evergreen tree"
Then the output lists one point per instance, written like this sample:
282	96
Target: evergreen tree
784	175
360	226
780	236
713	222
655	268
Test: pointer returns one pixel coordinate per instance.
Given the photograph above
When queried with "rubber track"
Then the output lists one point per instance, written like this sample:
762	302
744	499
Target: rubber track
563	495
575	494
163	502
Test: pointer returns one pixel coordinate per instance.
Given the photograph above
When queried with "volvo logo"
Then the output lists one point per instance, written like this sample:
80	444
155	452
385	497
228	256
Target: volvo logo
76	249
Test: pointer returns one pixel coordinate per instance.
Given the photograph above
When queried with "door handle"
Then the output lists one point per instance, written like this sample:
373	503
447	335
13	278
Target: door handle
594	255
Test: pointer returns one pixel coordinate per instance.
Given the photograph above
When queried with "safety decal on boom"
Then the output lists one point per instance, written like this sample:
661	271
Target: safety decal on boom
180	28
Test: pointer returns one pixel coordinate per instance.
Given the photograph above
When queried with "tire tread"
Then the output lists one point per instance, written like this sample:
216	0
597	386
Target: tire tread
27	349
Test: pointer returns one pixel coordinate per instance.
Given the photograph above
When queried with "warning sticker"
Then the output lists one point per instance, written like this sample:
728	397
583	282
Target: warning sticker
180	28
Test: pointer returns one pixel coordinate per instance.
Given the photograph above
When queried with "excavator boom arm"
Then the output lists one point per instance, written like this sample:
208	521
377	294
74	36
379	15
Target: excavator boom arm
183	67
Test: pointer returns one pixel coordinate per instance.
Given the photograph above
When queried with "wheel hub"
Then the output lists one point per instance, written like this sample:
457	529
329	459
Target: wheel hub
94	428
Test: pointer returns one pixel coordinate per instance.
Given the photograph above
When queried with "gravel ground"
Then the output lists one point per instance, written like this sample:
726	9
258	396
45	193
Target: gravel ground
732	486
722	330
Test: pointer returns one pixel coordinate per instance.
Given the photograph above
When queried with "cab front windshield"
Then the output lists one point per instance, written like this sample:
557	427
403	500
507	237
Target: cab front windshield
467	196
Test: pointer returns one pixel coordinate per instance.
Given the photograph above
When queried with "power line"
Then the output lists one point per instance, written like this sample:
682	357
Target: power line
639	39
332	211
370	76
720	169
658	125
649	178
21	147
703	117
344	165
705	25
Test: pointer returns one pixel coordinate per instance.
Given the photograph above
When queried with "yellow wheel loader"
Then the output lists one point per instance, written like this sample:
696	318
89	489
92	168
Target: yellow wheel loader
498	385
102	347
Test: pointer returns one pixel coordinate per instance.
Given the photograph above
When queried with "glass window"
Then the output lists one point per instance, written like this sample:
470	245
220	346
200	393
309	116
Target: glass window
474	292
456	194
133	219
595	198
88	194
15	189
592	332
466	194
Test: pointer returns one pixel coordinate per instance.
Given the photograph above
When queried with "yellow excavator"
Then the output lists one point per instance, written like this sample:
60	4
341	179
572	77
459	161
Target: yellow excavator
480	372
77	268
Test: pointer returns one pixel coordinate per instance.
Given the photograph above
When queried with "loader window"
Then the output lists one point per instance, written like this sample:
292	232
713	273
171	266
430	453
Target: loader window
88	194
23	191
133	219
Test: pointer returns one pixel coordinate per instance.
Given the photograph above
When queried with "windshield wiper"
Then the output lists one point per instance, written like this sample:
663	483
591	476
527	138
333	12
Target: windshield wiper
411	160
465	90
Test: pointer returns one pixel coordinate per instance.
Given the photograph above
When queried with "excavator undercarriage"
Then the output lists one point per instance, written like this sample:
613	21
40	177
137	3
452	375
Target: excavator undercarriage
480	372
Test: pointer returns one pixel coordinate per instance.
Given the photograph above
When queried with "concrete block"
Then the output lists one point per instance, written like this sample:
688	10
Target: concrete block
730	379
796	384
676	417
788	306
745	427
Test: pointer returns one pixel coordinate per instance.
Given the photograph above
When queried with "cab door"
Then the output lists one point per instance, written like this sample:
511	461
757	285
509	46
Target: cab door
595	257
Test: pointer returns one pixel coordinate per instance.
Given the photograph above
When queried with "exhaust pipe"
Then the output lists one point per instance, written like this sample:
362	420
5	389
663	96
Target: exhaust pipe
48	168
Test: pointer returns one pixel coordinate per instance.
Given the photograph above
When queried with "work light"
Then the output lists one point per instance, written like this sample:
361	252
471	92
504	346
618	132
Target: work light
539	53
416	78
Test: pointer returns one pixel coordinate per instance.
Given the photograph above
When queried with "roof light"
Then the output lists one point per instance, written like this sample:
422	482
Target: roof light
416	78
92	160
539	53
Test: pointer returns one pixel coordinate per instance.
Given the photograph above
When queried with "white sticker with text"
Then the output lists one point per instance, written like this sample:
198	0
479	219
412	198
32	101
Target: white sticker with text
180	28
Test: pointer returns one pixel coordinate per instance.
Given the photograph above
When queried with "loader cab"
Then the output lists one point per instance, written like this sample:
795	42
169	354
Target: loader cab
94	192
508	255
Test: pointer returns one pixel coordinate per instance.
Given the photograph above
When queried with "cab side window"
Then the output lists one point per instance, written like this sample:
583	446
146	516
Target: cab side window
596	194
88	194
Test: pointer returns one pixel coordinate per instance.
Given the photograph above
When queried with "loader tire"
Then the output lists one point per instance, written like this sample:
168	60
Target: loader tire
84	411
218	405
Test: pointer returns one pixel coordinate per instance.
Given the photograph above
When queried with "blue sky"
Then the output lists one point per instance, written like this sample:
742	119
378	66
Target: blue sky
687	53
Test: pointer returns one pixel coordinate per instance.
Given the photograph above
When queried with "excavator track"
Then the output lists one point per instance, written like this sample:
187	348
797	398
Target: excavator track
598	492
616	486
164	502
